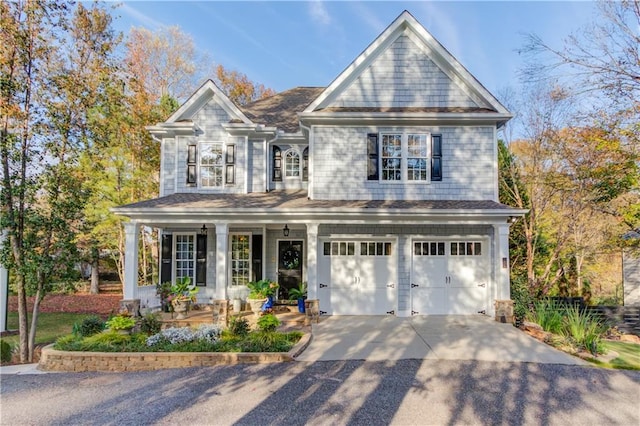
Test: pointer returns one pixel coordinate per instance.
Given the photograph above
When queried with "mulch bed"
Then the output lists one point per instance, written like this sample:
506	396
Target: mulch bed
99	304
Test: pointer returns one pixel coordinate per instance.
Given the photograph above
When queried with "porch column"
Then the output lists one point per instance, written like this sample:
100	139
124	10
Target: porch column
4	287
312	260
222	247
131	235
501	238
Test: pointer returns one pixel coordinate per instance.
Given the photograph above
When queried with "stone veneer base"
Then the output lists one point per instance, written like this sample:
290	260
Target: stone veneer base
73	361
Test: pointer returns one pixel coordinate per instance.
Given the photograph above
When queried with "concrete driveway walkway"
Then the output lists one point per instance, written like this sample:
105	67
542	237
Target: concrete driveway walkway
449	337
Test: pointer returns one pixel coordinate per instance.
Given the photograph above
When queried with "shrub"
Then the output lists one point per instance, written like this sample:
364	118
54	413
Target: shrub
5	351
238	326
268	323
548	315
150	324
583	329
121	322
269	341
89	326
206	332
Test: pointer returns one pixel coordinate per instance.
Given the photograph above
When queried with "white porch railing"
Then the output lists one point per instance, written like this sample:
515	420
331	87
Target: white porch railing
148	297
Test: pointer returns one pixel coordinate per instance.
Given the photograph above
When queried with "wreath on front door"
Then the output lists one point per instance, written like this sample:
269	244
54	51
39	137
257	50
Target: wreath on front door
291	259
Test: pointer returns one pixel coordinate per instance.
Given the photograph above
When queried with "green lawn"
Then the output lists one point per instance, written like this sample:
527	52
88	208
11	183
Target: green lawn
629	355
50	326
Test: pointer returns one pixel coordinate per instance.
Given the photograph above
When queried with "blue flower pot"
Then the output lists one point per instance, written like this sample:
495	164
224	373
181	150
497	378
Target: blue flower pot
301	306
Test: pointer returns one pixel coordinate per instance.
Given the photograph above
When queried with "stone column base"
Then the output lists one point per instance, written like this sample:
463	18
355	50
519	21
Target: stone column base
504	311
131	306
221	312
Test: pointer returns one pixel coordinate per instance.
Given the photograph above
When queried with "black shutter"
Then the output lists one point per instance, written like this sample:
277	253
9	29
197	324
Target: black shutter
166	258
201	260
256	257
230	167
372	157
191	165
277	164
436	157
305	165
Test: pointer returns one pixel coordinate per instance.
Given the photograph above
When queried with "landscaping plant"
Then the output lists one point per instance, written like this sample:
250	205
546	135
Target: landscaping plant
89	326
548	315
238	326
5	351
150	324
583	329
121	322
268	323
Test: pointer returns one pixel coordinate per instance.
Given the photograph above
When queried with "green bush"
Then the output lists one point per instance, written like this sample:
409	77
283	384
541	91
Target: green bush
269	341
583	329
268	323
238	326
120	322
5	351
521	298
89	326
150	324
548	315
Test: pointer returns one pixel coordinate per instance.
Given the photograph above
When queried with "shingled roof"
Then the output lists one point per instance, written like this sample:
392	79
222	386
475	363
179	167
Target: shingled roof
281	110
284	200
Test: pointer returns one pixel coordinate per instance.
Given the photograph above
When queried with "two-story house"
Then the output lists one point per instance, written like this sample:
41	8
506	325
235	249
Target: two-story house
380	190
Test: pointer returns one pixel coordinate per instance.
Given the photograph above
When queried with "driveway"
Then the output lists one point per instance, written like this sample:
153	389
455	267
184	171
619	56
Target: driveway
436	337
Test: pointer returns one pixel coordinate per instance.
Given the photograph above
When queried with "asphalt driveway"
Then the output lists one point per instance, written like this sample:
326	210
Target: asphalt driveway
436	337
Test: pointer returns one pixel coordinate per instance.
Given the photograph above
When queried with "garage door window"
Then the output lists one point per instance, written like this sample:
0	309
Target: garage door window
370	248
428	248
466	248
341	248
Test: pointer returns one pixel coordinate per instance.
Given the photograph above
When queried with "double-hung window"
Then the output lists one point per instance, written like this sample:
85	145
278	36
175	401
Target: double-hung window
211	165
291	164
404	157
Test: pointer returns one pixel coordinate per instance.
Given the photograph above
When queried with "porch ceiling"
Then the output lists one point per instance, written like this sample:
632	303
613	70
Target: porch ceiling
295	207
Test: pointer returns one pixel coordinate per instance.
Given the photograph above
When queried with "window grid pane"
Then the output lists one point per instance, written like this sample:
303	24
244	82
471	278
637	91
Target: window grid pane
292	164
417	157
185	256
240	260
391	157
211	162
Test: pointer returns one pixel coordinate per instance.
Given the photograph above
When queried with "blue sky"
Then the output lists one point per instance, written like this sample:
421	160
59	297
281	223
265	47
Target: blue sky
289	44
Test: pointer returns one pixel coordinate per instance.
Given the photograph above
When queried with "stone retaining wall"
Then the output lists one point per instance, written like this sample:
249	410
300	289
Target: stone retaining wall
71	361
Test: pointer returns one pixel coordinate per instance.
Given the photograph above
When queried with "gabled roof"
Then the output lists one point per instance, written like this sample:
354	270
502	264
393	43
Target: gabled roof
281	110
200	98
407	25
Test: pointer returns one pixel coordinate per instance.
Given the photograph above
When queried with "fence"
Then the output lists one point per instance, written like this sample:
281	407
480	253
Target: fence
626	318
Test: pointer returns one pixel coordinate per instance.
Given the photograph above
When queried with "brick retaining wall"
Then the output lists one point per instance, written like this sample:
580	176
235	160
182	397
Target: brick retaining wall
71	361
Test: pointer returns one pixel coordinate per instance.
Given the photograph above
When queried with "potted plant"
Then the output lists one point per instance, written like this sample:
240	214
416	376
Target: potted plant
299	294
164	291
261	295
182	293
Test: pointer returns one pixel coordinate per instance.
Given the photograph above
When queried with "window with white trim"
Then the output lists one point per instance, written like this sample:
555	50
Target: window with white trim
211	165
185	256
291	164
409	157
466	248
240	259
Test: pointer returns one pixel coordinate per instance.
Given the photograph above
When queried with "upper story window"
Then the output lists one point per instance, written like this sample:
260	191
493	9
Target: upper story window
291	164
412	157
211	164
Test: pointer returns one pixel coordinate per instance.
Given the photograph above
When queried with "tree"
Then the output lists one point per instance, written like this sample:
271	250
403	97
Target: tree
34	177
239	88
604	58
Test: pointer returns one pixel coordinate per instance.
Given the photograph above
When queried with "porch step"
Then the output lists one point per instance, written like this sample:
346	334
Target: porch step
110	287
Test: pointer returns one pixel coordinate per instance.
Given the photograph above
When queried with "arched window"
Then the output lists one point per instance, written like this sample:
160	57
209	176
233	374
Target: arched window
291	164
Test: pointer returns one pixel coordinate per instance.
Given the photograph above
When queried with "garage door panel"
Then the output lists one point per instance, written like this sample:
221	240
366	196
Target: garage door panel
466	300
429	301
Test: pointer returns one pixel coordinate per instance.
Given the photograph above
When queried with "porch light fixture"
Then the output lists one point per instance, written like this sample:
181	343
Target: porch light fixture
285	231
203	230
512	219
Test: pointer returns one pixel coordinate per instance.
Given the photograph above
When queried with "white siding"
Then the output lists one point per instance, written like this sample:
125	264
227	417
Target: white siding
255	165
168	167
340	166
403	76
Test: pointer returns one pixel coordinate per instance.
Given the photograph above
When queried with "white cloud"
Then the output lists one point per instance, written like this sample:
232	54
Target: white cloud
143	19
319	13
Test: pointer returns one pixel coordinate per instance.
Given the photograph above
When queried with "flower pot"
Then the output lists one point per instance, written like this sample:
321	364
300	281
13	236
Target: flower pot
301	305
256	305
180	307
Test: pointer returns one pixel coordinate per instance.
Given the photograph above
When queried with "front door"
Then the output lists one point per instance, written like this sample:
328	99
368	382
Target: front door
289	266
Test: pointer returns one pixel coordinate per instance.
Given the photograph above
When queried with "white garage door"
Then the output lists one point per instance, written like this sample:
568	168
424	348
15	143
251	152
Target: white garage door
449	277
357	277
